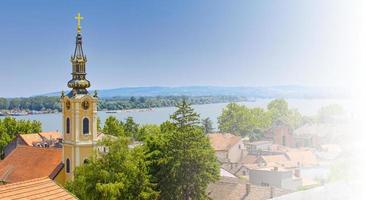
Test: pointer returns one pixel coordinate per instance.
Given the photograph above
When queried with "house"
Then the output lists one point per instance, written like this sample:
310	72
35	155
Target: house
280	134
44	139
28	162
38	188
258	147
229	188
304	157
229	148
275	177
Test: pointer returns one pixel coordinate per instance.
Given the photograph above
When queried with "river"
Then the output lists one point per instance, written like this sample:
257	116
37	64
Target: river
307	107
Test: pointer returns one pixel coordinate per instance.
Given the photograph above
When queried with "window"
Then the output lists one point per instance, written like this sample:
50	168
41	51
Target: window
67	166
67	125
284	140
86	161
85	126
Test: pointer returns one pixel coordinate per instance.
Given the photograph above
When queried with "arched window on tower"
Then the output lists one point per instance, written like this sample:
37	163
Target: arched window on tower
67	125
85	126
67	166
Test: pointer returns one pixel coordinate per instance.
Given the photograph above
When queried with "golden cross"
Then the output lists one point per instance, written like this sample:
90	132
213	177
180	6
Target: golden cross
79	18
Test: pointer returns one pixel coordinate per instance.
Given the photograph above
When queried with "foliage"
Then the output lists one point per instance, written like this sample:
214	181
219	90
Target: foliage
113	126
181	160
10	127
207	125
281	114
147	130
184	116
120	174
130	128
241	120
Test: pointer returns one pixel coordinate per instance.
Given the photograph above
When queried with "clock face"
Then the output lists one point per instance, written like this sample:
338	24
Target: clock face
85	105
68	105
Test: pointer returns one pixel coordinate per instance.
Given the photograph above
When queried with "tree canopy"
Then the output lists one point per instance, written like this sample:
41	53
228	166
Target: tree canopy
241	120
120	174
181	160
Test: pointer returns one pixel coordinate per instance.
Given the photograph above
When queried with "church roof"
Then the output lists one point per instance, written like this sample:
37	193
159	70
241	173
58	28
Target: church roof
28	162
39	188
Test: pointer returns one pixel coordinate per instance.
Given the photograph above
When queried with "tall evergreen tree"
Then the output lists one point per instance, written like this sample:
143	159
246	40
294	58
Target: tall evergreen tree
181	160
207	125
185	116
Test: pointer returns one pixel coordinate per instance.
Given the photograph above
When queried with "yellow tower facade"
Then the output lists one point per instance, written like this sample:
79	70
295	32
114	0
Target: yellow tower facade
79	114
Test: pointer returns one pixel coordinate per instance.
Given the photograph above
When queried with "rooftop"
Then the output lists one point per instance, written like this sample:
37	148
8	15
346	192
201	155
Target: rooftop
39	188
236	189
28	162
223	141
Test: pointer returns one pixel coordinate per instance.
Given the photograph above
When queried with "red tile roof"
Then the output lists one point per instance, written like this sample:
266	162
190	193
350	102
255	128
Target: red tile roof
40	188
223	141
51	135
29	139
25	163
305	158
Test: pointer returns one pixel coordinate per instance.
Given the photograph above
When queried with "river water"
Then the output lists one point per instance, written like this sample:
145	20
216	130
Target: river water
308	107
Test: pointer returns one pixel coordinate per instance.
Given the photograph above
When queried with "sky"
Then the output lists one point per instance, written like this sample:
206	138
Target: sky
181	43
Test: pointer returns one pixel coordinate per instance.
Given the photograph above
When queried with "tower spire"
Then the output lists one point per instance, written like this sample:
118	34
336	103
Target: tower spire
78	83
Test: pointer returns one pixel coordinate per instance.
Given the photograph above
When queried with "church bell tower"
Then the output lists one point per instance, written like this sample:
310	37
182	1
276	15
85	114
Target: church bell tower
79	113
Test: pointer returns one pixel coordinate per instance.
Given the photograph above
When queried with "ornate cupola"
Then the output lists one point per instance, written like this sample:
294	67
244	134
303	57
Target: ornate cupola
78	83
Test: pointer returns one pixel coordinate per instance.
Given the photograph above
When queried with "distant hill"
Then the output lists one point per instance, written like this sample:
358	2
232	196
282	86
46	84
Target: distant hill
250	92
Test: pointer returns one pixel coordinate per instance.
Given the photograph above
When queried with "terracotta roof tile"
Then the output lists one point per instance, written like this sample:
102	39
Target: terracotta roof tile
223	141
27	162
39	188
303	157
29	139
51	135
235	189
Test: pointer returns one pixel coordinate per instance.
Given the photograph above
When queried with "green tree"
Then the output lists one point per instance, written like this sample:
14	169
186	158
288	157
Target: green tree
113	126
120	174
242	120
146	130
184	116
181	160
207	125
280	113
130	128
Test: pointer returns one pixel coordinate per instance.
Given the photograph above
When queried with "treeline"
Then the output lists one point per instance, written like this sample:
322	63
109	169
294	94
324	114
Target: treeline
41	103
161	101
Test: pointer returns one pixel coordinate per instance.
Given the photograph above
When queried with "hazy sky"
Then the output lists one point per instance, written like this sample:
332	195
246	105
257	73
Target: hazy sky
179	43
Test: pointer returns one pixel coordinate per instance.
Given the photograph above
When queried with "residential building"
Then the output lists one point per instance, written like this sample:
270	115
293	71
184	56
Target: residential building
229	148
228	188
258	147
275	177
280	134
43	139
